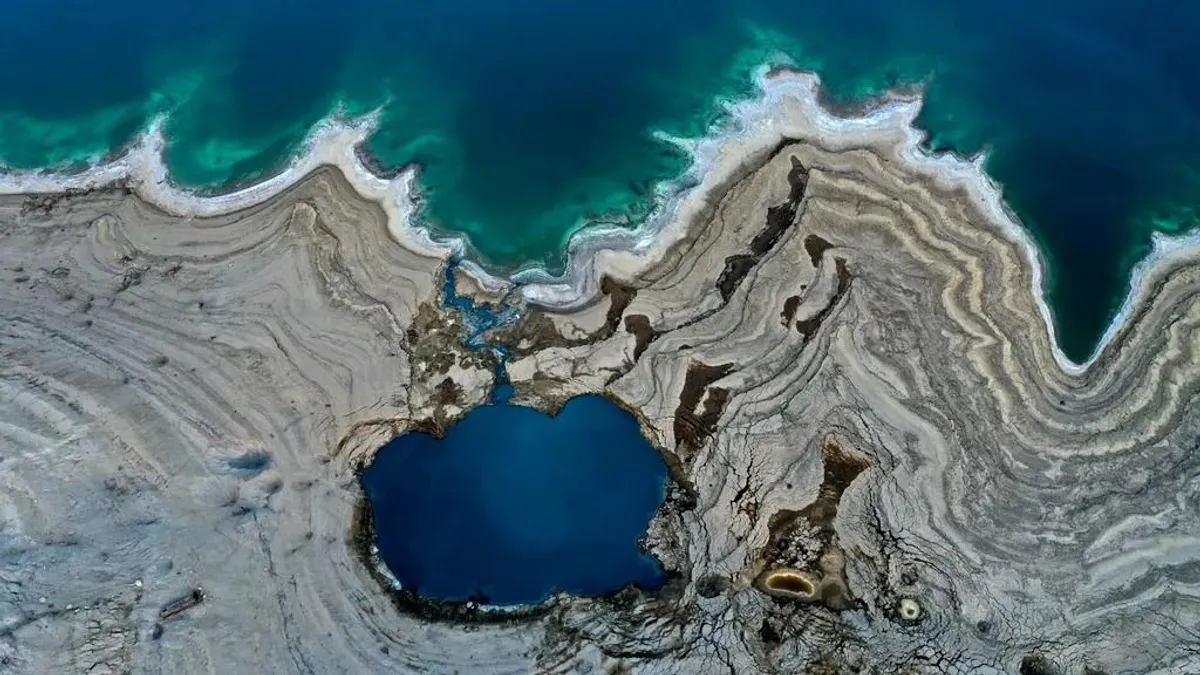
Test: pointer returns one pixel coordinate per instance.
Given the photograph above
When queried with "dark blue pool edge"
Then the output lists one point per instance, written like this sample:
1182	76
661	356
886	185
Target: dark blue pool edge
680	497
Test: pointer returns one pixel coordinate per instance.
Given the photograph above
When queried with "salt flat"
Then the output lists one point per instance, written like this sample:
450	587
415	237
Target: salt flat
840	353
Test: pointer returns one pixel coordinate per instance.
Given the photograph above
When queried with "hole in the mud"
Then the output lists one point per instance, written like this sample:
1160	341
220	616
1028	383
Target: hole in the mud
791	583
711	585
768	634
1037	664
514	505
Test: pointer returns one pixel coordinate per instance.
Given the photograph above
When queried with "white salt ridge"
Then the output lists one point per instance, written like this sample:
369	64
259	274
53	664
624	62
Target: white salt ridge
787	107
333	141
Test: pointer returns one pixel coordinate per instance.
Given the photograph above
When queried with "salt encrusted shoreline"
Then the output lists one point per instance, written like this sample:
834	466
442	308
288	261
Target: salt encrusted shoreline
842	361
788	106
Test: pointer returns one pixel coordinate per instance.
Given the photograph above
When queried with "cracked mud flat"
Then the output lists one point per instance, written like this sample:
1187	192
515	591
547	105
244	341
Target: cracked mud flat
841	359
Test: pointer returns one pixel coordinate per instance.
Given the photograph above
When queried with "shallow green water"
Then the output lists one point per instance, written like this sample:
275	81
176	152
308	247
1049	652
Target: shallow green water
532	116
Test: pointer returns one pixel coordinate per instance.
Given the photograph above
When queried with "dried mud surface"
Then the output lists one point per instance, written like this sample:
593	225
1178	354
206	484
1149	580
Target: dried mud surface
843	364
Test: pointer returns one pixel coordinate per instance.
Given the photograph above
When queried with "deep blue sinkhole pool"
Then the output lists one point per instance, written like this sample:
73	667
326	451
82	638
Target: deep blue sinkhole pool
513	505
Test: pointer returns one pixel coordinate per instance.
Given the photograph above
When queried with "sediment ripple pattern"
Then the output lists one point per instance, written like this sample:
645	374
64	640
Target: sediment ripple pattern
174	395
1042	518
842	358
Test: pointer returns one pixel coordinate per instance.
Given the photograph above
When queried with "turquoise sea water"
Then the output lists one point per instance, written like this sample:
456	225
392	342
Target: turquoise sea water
532	116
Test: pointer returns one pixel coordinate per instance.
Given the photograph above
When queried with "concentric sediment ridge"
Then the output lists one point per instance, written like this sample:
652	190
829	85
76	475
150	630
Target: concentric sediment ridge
881	462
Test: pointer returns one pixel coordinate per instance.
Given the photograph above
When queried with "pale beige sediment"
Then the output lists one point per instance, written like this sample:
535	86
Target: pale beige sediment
1025	506
141	353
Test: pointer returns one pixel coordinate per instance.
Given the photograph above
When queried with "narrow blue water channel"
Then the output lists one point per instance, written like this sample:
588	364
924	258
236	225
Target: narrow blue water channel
478	320
514	505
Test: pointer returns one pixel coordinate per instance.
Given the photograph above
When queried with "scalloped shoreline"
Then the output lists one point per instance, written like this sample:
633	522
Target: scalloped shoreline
789	105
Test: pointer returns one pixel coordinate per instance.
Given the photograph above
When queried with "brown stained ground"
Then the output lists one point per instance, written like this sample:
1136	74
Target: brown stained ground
536	331
639	326
435	338
780	218
841	467
693	428
817	247
790	305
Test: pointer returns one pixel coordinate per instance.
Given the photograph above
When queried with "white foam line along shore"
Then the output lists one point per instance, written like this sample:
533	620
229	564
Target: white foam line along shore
787	106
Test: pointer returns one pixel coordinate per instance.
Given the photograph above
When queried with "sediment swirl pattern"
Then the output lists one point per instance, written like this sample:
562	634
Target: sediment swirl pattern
880	462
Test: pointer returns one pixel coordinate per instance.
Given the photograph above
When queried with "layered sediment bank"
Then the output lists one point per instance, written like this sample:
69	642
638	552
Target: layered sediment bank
838	344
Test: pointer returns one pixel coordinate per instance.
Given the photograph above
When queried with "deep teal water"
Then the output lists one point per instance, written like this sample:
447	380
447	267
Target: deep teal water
513	505
530	116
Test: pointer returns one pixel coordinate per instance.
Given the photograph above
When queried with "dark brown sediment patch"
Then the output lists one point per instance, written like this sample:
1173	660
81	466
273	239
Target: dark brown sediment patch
692	428
811	530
